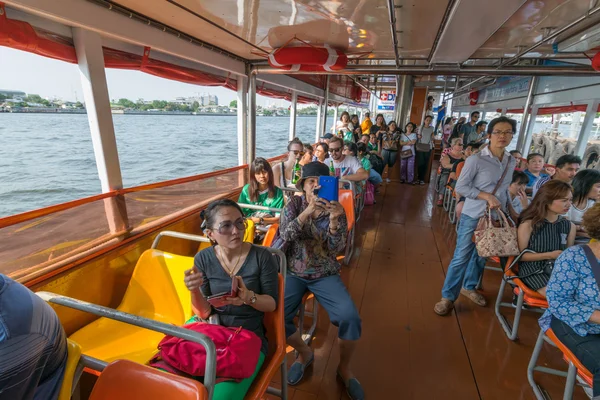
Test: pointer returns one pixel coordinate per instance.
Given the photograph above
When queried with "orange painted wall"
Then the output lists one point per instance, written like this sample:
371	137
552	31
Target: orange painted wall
418	105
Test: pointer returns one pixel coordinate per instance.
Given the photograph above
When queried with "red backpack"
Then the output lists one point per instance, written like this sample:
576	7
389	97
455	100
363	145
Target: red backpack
237	352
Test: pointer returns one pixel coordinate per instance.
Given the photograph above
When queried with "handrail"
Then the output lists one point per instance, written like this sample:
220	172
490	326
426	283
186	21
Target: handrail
167	329
352	186
262	208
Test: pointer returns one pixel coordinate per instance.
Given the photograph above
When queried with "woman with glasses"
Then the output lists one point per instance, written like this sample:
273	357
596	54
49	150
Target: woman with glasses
484	181
261	191
230	258
447	162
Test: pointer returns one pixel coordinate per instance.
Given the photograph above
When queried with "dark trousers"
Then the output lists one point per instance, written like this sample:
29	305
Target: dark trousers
422	164
585	348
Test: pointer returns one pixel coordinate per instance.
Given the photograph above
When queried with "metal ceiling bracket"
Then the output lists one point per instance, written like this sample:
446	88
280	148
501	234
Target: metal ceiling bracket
392	16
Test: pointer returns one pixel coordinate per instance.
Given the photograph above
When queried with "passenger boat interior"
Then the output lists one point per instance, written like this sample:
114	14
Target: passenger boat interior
114	274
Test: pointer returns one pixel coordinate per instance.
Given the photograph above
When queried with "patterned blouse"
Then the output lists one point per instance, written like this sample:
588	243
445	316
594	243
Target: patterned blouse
312	249
572	293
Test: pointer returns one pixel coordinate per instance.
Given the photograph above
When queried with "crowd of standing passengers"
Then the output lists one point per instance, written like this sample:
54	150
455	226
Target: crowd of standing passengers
556	210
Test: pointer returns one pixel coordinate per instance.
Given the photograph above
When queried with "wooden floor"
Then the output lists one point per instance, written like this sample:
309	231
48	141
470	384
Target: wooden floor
404	244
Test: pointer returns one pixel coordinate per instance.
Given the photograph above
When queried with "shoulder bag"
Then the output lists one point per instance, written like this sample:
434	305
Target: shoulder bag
406	153
593	262
422	147
492	240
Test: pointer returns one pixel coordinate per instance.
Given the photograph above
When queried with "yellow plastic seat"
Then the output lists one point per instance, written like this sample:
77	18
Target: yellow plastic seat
73	356
248	235
156	291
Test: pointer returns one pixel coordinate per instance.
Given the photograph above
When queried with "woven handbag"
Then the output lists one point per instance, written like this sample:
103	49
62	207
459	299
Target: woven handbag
496	241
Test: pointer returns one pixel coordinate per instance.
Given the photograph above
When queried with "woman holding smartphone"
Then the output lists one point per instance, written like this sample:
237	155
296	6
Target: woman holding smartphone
230	258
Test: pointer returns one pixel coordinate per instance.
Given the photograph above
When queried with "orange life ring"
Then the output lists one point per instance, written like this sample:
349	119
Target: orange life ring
473	97
308	58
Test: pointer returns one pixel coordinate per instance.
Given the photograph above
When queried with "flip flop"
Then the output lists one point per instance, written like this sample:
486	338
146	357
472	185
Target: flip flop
296	372
353	388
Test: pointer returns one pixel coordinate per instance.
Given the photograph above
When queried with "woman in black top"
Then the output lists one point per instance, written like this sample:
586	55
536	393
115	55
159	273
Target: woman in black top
543	230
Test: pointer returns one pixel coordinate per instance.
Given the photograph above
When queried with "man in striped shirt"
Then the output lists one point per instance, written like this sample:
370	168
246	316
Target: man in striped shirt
566	168
33	345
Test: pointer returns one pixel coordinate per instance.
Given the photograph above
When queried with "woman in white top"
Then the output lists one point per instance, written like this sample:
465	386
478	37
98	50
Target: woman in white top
425	136
407	164
344	126
586	192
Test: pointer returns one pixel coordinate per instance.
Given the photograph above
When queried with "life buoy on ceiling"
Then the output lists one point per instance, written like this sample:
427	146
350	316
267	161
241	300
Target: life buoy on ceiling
308	58
596	62
473	97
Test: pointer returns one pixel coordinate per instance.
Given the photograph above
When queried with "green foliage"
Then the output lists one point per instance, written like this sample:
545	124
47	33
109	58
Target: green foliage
34	98
233	104
126	103
3	97
78	105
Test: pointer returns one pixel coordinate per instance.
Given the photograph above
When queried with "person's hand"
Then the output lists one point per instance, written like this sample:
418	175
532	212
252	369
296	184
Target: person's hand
493	202
255	220
554	254
243	294
550	171
315	204
335	209
193	279
523	198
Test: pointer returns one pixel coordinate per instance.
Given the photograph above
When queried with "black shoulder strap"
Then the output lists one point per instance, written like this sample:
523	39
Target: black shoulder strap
593	262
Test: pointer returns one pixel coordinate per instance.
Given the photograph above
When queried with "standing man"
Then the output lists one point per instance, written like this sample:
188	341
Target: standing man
470	128
366	125
441	114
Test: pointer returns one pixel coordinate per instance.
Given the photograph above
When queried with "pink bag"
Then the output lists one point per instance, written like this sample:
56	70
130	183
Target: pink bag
237	352
369	194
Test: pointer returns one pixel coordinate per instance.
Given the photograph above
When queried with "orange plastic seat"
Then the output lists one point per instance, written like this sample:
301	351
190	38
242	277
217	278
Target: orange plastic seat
126	380
275	329
346	199
270	235
569	357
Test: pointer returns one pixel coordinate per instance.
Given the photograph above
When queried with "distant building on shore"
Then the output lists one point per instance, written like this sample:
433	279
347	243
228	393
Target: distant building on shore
13	94
204	100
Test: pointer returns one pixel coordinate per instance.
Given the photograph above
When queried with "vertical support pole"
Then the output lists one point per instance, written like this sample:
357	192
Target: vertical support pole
503	112
242	118
293	114
318	127
526	144
528	102
335	115
586	127
251	117
483	113
90	59
325	104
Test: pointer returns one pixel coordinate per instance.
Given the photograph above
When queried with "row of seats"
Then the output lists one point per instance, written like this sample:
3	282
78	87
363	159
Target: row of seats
156	291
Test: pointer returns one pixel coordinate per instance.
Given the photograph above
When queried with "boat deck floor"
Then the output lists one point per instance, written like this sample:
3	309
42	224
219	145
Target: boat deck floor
404	244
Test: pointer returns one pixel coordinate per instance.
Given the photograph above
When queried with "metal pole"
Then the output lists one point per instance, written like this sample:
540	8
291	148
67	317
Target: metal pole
586	127
293	114
335	115
251	117
242	118
521	138
503	112
325	103
319	119
526	145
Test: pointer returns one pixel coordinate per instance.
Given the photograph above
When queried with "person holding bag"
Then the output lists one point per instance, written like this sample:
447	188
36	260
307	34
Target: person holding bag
390	142
574	299
484	182
424	146
407	155
545	233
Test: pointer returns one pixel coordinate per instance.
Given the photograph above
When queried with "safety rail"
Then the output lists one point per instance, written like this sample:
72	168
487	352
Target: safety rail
167	329
260	208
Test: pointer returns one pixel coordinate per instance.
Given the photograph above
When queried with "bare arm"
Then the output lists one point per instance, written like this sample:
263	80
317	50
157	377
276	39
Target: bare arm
523	236
360	175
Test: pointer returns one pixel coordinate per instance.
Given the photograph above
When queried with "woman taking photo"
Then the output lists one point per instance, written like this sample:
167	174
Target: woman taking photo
407	155
447	163
447	130
261	191
315	231
586	193
544	232
214	268
380	127
390	141
424	147
484	181
574	300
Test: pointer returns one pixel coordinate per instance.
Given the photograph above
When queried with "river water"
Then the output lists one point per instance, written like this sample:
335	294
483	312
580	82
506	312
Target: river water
49	159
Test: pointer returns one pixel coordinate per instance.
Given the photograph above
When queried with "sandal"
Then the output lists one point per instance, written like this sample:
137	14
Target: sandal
353	388
443	307
474	296
296	372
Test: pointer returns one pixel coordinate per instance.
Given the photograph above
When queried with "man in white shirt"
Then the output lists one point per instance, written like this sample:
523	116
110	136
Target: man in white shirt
346	167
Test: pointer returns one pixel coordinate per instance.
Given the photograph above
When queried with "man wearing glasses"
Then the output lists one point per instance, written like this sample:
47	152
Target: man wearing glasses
470	128
282	171
346	167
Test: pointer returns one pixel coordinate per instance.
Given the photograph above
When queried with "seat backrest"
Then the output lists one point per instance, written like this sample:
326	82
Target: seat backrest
347	201
156	289
73	357
126	380
275	332
270	235
459	168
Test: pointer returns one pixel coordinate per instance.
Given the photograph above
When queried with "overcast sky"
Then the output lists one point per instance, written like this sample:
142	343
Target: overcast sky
34	74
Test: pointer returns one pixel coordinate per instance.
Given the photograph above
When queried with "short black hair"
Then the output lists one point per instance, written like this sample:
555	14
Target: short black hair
295	141
480	123
361	147
520	177
513	152
498	120
367	114
583	183
531	155
567	159
209	214
475	112
474	145
352	147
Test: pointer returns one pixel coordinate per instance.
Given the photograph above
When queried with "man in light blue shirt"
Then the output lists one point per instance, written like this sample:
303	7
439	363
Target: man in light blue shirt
482	184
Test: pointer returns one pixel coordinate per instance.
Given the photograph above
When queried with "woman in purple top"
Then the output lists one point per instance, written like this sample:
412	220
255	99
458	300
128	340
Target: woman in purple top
315	231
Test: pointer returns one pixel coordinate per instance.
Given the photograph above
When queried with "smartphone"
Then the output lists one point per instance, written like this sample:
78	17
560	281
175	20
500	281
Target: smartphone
218	300
329	187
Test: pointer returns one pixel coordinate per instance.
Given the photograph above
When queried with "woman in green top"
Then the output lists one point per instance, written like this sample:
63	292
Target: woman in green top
261	191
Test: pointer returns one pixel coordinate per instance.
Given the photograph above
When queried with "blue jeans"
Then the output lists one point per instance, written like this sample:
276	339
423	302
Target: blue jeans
374	177
466	266
332	294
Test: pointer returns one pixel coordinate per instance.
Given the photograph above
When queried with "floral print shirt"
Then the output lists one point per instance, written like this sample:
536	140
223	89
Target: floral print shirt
572	293
312	249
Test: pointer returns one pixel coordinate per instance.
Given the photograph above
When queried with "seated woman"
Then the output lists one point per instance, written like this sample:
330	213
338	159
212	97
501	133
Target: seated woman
448	160
33	345
315	231
586	193
214	268
374	176
321	152
574	300
517	198
543	230
308	154
261	191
